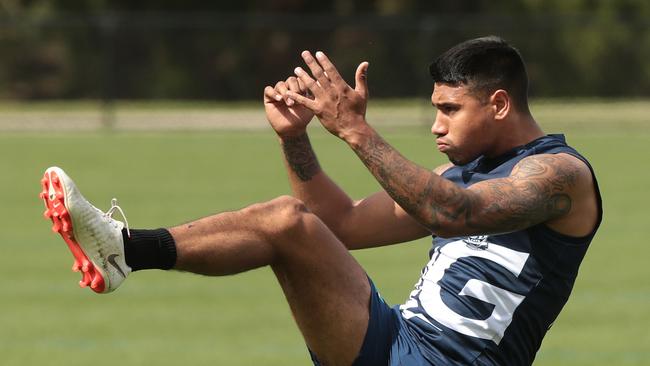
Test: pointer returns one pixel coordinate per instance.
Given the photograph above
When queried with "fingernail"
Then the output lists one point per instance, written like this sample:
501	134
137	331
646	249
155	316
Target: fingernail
278	97
319	54
297	70
289	101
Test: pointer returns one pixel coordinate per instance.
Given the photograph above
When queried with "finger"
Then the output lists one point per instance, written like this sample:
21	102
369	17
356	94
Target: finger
330	69
293	85
315	68
308	103
270	95
301	86
308	82
298	87
303	90
361	79
281	88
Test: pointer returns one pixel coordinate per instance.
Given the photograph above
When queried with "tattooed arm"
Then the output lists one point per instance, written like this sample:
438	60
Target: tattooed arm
541	188
300	157
554	189
374	221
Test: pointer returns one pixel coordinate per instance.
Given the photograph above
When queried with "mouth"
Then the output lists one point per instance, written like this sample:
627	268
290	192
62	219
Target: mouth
442	146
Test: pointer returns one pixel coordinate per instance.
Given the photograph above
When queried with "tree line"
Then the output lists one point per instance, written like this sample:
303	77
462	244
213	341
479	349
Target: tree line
175	49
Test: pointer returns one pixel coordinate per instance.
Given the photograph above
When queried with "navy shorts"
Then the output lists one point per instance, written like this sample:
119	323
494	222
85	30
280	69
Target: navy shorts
388	341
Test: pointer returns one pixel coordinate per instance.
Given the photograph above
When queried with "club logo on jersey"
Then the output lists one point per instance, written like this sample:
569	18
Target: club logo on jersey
478	242
449	269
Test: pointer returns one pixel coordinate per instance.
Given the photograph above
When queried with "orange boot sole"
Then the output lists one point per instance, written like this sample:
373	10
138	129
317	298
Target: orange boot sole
55	209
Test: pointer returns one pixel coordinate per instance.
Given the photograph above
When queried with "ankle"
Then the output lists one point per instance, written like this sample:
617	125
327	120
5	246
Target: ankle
149	249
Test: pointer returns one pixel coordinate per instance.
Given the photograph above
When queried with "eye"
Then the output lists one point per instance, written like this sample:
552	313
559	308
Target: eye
448	109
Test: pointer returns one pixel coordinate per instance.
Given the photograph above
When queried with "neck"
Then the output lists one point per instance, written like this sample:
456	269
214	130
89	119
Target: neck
517	131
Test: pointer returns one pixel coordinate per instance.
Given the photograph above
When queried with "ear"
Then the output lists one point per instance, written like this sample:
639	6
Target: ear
501	104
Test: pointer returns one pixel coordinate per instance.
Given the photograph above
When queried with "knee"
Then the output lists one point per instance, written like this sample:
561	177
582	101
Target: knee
283	216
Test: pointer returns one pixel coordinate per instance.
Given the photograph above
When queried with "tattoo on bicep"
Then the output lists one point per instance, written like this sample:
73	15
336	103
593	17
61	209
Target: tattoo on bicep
536	191
301	157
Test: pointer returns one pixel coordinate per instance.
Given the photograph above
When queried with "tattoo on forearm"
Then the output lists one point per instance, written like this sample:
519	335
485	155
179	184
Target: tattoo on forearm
301	157
535	192
404	181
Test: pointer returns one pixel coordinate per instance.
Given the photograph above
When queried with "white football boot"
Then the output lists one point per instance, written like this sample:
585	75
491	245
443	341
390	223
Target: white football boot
94	237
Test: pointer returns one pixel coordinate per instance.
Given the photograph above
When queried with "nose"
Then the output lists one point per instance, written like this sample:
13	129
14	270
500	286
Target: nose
439	127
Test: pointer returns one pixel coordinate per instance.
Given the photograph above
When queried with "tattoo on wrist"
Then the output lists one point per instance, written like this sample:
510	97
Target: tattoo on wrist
301	157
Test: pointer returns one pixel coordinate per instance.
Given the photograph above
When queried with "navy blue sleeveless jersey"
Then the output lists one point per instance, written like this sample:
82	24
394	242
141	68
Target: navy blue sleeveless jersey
489	300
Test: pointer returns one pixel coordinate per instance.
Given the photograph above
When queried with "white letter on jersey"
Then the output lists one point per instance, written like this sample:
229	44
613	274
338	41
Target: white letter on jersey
504	301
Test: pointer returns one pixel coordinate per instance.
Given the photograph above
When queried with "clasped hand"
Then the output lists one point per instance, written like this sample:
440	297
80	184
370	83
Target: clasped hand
339	108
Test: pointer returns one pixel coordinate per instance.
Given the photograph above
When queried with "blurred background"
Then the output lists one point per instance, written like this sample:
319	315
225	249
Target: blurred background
158	103
195	50
172	50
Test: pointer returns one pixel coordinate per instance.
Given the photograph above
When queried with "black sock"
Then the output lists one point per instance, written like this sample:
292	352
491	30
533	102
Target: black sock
149	249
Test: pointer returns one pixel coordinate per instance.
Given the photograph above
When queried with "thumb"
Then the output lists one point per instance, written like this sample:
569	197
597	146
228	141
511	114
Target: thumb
361	79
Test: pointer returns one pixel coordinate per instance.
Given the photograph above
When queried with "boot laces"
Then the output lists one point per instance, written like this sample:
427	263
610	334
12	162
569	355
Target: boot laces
114	207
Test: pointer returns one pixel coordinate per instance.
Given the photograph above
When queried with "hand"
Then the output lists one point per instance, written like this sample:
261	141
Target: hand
340	109
287	118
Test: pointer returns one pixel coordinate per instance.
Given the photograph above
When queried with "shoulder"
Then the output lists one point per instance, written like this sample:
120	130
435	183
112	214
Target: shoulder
562	168
567	184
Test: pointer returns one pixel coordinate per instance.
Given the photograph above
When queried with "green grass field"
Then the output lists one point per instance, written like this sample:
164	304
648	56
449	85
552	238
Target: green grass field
164	178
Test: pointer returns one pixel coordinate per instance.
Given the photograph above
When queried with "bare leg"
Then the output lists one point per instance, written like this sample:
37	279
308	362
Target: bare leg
326	288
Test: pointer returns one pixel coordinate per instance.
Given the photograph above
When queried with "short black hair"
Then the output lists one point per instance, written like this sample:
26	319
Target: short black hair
485	65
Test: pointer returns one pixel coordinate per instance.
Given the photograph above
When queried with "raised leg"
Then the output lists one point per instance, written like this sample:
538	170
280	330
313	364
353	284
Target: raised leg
327	290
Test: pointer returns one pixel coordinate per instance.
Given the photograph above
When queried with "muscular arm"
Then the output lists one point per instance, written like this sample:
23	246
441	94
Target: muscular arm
541	188
373	221
554	189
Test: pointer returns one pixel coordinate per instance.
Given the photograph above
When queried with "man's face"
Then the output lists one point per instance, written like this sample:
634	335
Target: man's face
462	123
